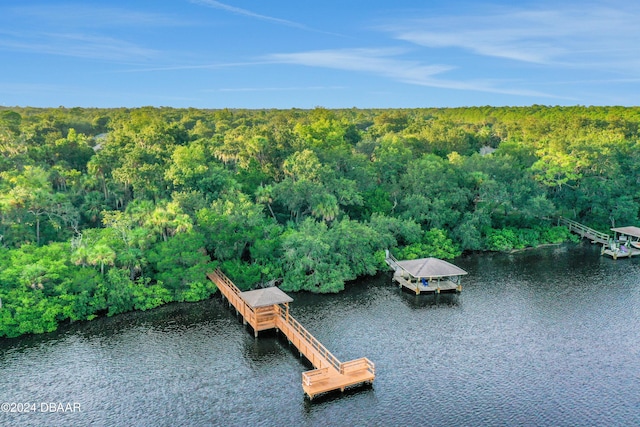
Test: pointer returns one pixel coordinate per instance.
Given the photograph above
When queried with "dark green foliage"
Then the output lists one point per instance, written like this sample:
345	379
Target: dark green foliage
507	239
180	265
244	275
435	243
105	211
120	292
321	258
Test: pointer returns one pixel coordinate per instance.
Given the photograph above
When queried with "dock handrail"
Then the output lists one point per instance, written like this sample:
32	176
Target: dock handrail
357	365
310	377
223	278
296	326
585	231
391	260
220	279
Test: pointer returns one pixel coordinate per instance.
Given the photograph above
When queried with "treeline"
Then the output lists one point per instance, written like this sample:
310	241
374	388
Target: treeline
109	210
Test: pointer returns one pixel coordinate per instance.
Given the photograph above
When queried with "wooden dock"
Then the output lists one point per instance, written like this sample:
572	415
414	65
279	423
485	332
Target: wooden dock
329	374
621	253
586	232
623	245
425	275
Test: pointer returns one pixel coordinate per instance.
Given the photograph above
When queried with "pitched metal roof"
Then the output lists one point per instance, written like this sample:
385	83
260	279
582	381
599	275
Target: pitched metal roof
629	231
430	267
265	297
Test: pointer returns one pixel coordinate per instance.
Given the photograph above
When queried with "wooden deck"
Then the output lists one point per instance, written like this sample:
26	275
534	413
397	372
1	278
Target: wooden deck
617	253
434	286
329	374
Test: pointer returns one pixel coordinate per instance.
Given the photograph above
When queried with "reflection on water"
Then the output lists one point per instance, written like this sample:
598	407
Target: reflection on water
539	337
429	300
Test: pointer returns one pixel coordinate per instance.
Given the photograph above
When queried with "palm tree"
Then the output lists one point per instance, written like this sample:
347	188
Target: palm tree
92	206
263	195
101	254
325	206
79	256
159	221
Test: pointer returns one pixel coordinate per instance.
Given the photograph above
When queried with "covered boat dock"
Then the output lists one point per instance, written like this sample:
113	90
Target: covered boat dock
430	275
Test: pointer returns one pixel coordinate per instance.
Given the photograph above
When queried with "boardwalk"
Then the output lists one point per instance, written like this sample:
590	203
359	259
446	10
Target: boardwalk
586	232
329	374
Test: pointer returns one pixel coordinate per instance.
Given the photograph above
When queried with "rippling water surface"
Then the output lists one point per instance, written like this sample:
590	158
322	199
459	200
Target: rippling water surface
546	337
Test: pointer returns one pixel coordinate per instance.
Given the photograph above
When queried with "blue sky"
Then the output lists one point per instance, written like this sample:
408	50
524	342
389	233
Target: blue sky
330	53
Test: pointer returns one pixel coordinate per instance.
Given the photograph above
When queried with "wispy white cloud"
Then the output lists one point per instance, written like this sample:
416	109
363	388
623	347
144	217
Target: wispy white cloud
376	61
385	63
585	34
212	66
244	12
80	31
89	16
239	11
76	45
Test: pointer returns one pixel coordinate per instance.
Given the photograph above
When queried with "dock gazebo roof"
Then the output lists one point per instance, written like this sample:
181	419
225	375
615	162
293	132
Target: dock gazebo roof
265	297
629	231
430	267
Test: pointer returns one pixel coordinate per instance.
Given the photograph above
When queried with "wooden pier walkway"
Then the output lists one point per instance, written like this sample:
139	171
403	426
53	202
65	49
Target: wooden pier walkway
584	231
625	243
329	374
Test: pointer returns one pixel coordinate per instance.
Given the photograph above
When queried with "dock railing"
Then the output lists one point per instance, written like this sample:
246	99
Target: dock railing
308	339
391	261
310	378
357	365
225	285
218	275
584	231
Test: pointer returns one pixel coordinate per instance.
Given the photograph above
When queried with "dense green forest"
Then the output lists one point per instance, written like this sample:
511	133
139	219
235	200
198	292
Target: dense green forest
103	211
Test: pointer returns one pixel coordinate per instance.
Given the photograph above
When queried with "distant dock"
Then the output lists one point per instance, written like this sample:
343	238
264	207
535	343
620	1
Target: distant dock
624	244
268	308
586	232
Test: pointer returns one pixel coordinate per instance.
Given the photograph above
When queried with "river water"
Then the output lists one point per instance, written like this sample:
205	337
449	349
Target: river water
545	337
